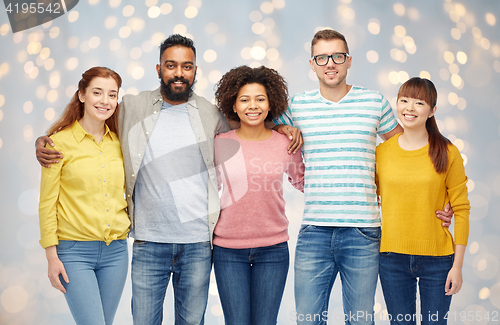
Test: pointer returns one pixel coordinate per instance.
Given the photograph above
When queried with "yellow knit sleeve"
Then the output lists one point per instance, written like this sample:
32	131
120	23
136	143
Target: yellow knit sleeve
456	184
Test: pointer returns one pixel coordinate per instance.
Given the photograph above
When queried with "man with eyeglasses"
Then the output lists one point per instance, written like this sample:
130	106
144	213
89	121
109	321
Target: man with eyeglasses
340	232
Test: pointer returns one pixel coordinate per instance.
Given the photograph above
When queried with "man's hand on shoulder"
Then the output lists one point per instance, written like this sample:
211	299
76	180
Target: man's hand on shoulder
45	156
294	134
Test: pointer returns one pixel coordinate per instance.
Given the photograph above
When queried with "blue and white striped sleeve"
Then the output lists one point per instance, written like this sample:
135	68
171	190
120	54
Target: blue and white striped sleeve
387	120
285	118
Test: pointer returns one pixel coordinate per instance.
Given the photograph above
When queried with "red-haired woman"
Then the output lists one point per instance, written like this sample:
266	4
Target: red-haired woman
82	210
417	172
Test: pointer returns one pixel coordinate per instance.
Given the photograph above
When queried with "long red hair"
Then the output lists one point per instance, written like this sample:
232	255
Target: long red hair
75	109
424	89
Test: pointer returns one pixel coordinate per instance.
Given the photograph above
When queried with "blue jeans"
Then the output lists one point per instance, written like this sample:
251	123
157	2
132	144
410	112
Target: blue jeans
97	274
323	252
399	275
152	265
251	282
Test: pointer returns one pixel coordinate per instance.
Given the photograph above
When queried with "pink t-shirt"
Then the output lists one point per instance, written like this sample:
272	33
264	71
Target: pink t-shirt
251	176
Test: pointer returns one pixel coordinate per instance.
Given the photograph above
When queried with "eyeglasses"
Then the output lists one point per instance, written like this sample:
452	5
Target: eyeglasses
337	58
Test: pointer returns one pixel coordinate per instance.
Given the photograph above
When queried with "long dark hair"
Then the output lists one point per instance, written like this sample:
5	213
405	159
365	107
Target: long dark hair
75	109
425	90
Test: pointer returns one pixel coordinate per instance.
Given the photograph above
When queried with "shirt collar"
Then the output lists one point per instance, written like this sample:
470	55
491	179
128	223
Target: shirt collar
112	135
79	133
166	105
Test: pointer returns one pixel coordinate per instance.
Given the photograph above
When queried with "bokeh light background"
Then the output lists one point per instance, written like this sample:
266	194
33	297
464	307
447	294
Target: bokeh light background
454	43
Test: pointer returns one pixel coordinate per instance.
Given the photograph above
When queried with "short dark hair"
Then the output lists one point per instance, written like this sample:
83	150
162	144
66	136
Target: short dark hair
328	34
230	84
177	40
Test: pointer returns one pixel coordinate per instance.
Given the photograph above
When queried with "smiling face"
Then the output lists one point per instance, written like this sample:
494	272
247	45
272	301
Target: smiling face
100	99
413	113
252	105
330	75
177	71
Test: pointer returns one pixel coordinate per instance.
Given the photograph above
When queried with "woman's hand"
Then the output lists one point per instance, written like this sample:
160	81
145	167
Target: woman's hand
455	280
56	267
455	274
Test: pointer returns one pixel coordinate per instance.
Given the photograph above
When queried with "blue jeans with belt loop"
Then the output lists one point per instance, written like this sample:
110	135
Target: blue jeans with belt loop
153	264
401	273
320	255
97	274
251	282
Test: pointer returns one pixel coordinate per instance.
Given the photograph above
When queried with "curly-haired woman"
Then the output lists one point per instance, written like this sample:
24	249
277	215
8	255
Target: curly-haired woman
251	255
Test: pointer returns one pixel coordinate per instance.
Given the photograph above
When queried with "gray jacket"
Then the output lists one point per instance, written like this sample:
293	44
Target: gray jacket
137	118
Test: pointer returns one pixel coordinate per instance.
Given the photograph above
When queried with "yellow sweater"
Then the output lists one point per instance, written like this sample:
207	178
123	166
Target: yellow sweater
411	191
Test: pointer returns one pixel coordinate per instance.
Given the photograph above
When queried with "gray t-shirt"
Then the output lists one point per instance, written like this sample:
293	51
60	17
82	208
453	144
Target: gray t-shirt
170	195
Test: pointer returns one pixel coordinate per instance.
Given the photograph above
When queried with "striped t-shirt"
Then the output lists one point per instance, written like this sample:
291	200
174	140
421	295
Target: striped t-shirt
339	154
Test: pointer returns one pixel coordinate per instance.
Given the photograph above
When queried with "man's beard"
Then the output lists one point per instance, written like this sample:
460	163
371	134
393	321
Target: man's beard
176	96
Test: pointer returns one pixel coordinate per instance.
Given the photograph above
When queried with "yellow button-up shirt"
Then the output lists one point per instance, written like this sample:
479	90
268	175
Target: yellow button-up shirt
82	196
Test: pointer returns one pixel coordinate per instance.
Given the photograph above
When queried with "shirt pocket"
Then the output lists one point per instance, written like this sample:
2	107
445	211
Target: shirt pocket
117	173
